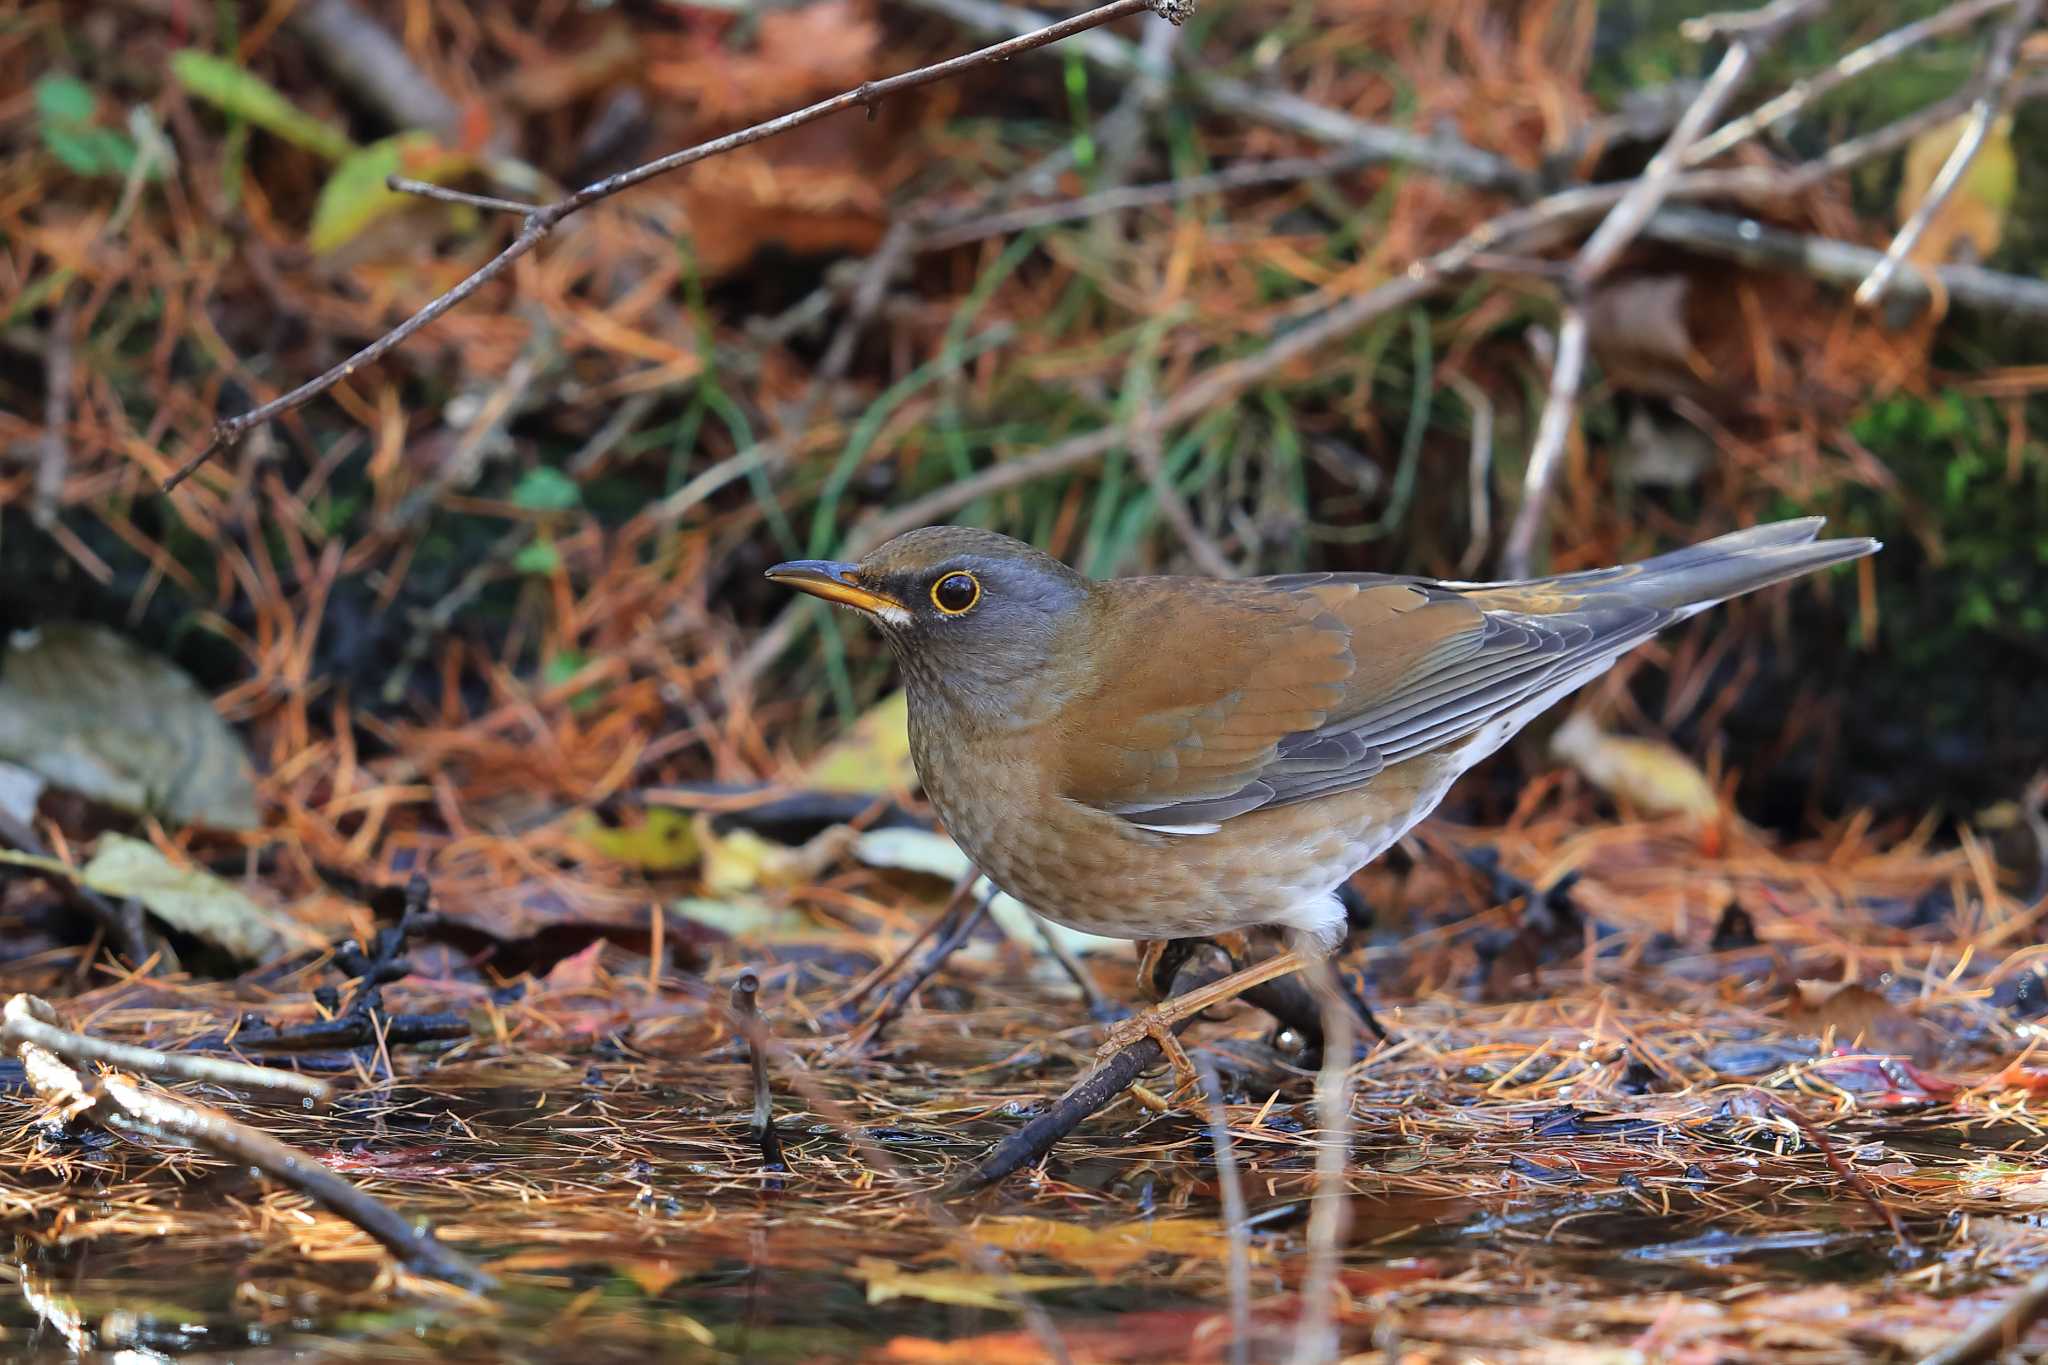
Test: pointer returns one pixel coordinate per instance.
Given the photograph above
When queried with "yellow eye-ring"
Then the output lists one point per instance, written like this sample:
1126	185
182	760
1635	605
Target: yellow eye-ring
956	593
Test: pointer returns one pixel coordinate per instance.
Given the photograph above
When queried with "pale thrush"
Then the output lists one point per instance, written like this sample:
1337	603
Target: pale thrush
1161	758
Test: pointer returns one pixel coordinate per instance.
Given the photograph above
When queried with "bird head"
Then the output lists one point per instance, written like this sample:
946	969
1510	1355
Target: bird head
973	617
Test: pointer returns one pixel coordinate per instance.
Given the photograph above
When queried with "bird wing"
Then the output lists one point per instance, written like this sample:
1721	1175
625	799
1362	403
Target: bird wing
1220	698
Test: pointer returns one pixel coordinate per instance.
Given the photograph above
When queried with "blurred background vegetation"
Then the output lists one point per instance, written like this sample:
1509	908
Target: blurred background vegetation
576	477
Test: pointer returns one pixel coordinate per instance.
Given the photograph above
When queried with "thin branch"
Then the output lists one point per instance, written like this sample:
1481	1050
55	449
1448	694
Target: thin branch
1746	45
1749	36
543	220
1995	89
1445	156
1479	500
424	189
130	1111
1850	65
1560	410
30	1019
1207	555
1752	243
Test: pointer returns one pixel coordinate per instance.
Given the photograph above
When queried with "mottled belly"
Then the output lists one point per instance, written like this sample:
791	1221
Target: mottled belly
1102	874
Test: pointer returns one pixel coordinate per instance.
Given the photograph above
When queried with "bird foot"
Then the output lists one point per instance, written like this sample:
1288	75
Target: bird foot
1150	1024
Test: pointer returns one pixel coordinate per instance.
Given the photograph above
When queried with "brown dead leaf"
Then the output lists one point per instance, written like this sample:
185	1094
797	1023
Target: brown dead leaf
1859	1017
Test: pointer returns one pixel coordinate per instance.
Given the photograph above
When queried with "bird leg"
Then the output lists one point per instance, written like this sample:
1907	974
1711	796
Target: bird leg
1163	1016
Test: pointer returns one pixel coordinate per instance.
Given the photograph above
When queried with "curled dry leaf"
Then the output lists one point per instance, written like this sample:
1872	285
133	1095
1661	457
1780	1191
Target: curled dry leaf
1648	775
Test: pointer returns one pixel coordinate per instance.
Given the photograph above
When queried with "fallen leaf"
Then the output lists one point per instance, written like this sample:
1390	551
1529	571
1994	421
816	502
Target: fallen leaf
1859	1016
1648	775
355	195
653	838
95	715
1971	221
1103	1251
238	91
873	757
961	1288
192	900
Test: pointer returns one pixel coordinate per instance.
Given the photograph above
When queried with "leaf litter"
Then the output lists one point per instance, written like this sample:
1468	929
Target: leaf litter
1650	1094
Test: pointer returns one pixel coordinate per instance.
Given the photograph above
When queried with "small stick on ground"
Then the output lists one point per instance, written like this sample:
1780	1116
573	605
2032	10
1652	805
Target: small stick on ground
30	1019
129	1111
899	995
1230	1188
1093	1092
1853	1179
763	1124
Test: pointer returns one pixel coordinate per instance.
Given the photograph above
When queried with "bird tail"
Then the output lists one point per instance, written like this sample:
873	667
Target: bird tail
1698	576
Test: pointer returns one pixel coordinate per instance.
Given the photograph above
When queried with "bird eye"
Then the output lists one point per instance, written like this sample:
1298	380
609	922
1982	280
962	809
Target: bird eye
956	593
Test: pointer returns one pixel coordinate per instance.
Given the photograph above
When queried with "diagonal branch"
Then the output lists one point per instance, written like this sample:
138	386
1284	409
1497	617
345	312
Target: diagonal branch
1995	90
544	218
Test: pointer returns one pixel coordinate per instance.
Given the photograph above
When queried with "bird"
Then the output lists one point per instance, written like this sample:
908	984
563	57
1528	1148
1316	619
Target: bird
1169	757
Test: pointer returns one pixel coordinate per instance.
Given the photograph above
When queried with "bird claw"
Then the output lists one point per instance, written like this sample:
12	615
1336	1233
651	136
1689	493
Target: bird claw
1155	1025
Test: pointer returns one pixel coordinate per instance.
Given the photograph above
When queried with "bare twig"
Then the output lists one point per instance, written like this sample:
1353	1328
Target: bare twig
1755	35
1847	67
1753	243
1093	1092
1749	35
30	1019
763	1123
1230	1187
1560	409
543	220
374	66
1445	156
1204	551
1994	87
1479	499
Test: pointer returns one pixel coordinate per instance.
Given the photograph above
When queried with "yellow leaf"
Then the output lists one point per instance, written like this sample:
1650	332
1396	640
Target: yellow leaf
1971	220
741	860
1106	1250
962	1288
1648	775
656	839
355	195
873	756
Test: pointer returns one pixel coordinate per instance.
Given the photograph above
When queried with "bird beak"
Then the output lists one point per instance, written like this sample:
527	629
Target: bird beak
835	582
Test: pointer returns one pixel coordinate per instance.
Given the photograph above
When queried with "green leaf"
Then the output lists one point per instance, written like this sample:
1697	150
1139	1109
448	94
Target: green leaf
355	195
90	151
546	489
541	557
237	90
63	99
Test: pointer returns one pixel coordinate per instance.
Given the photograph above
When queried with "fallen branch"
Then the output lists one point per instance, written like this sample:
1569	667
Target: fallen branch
130	1111
30	1019
1093	1092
